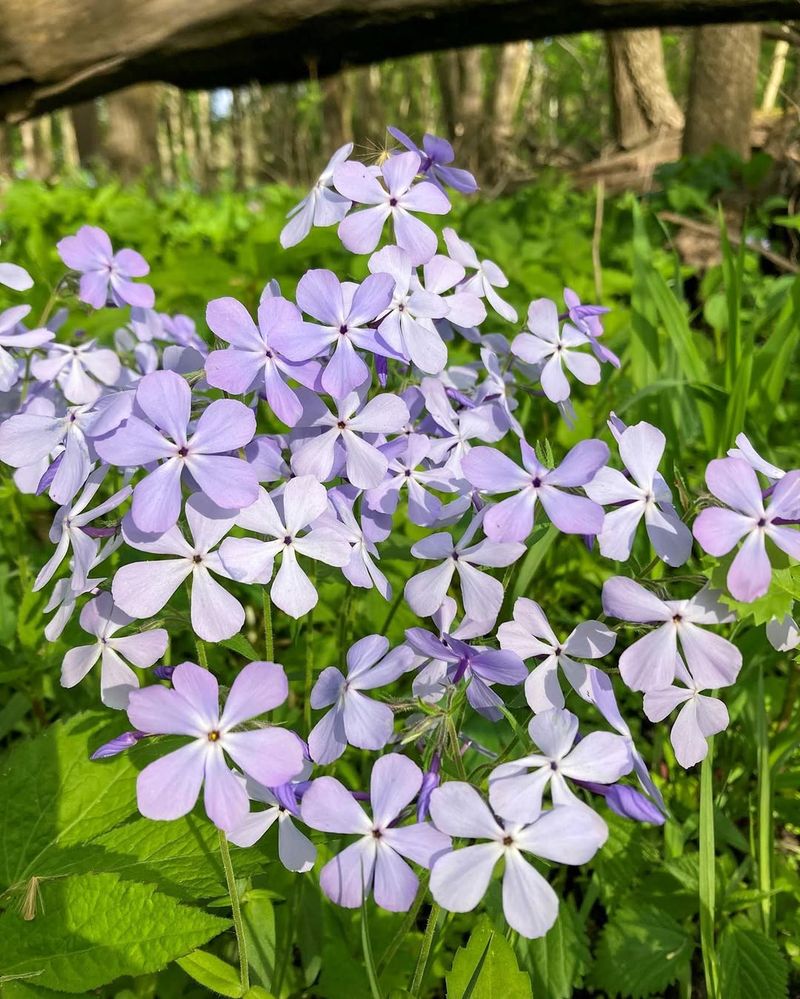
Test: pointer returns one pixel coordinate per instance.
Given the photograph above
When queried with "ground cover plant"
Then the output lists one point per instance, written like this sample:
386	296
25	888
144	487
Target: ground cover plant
381	617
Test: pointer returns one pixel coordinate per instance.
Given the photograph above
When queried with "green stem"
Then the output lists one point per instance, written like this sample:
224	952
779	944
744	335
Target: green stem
269	638
309	674
202	658
425	951
238	923
708	882
406	926
765	835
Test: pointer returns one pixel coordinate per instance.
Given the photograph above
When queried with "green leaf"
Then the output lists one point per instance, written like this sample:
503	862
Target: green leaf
55	798
94	928
241	645
258	916
557	961
214	973
642	950
498	975
751	965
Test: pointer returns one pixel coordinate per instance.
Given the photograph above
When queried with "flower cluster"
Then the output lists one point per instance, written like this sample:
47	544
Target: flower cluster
350	418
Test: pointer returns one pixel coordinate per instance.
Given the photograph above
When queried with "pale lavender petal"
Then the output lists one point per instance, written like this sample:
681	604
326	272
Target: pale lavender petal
734	482
630	601
457	809
650	663
459	879
327	806
168	788
225	798
258	688
348	877
750	573
529	903
271	756
717	530
395	884
394	782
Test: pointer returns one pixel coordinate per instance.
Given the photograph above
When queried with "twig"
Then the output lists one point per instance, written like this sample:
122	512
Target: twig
711	230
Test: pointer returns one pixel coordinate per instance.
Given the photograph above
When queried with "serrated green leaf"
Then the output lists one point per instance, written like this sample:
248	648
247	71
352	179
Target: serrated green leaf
213	972
751	965
92	929
258	916
499	974
557	961
55	798
181	857
642	950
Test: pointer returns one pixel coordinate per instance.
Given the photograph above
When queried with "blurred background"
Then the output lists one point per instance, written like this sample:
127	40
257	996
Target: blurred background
610	107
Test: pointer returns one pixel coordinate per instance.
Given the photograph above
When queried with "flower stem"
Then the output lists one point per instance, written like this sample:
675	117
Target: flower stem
238	924
309	676
269	638
407	924
202	657
708	873
765	836
425	951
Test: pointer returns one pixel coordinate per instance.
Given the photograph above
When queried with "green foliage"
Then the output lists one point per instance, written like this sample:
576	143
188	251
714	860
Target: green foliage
558	961
642	950
751	965
94	928
487	967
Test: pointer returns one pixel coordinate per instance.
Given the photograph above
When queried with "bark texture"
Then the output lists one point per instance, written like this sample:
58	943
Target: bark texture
57	52
643	103
132	137
722	88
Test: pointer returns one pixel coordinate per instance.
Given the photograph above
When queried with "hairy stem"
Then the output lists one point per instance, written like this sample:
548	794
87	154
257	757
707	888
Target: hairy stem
708	873
269	638
236	907
765	835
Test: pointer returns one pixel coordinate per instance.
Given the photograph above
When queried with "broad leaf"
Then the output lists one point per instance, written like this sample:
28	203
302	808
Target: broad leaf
90	930
751	965
499	974
557	961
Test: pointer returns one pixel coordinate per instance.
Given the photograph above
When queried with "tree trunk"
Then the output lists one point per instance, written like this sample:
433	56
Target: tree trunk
642	101
337	110
69	144
448	76
204	137
513	66
722	88
6	151
86	124
132	138
469	106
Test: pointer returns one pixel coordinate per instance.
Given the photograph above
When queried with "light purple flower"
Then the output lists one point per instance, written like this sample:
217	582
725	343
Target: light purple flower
650	662
700	717
435	156
512	519
783	634
644	494
355	719
745	450
486	278
407	470
627	802
554	348
361	570
465	309
71	368
482	594
407	330
365	464
16	338
68	532
458	428
103	272
295	850
168	788
516	788
586	319
30	438
15	277
374	863
361	231
718	529
117	745
322	206
567	834
249	560
141	589
344	311
530	636
103	620
252	361
165	400
455	660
